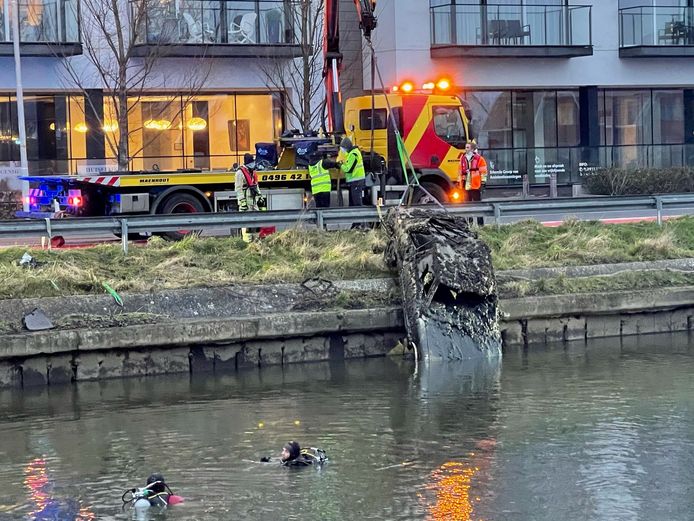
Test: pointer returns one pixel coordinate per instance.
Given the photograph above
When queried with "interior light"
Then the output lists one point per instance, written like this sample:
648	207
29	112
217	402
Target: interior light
110	126
443	84
81	127
157	124
196	124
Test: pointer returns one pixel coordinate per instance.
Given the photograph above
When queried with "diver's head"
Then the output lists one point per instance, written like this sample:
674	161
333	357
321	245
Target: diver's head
159	485
290	451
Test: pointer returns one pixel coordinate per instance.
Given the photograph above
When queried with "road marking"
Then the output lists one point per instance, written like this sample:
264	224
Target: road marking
615	220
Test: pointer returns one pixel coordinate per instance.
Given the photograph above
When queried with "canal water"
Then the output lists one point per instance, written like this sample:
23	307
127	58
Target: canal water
604	432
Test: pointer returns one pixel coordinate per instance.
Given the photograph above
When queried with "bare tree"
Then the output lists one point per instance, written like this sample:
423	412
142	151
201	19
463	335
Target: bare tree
301	79
112	34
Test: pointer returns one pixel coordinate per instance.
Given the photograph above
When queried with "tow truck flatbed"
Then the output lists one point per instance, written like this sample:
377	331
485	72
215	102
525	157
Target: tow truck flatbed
131	180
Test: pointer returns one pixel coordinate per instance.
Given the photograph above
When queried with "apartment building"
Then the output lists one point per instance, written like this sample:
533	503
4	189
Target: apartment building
554	86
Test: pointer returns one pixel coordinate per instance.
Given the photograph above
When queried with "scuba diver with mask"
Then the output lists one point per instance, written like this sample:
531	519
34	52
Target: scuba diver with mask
294	456
156	494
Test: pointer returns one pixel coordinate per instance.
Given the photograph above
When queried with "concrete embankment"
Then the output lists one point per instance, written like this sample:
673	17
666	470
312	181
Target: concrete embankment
202	330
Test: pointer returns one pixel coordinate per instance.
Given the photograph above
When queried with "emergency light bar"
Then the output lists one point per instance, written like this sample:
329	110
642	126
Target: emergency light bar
408	87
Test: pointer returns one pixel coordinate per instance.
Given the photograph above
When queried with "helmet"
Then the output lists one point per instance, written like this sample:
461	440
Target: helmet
159	483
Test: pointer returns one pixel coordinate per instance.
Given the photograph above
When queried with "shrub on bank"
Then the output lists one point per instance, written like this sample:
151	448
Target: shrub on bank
640	181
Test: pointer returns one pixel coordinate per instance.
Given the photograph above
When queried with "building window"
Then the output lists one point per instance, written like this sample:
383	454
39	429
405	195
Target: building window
668	117
568	118
207	131
626	117
491	118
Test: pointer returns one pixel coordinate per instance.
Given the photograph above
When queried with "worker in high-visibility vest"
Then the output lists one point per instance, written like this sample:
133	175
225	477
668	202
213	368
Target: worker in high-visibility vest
354	171
470	177
321	184
483	166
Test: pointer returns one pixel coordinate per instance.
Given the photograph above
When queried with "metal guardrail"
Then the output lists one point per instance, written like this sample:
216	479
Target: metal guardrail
492	211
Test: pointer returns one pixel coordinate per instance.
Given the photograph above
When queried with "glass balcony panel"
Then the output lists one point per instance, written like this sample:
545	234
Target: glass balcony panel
510	25
245	22
656	26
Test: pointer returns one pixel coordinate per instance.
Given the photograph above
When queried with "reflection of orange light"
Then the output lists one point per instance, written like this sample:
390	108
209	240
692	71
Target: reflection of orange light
36	480
451	484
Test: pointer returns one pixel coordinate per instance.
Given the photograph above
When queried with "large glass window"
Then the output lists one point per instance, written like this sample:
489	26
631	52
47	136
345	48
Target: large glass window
568	118
491	118
626	117
668	116
207	131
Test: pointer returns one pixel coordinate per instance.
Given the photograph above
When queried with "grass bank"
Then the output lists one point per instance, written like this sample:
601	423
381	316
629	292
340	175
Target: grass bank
575	243
291	256
296	255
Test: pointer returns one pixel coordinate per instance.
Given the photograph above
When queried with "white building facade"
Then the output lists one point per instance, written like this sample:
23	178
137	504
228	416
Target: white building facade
554	86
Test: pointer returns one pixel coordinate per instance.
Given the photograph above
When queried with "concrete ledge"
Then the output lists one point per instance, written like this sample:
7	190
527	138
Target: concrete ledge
201	332
597	303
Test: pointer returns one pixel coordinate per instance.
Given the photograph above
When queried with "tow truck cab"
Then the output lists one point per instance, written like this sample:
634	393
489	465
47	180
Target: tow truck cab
434	128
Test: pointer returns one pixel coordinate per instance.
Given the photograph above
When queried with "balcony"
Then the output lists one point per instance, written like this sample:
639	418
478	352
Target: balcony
656	32
46	28
502	31
222	28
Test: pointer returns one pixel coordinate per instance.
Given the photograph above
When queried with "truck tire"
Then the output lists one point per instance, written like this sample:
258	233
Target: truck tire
180	203
438	193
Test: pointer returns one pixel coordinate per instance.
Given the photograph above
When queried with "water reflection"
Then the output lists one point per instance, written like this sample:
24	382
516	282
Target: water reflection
603	432
44	506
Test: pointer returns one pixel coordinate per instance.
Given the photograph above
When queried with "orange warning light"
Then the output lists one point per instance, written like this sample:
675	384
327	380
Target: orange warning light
407	87
443	84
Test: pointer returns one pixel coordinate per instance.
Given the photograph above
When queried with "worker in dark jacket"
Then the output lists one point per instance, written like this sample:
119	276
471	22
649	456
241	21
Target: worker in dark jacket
355	173
294	456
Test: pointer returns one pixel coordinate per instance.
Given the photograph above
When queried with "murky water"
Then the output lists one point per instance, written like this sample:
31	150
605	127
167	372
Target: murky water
603	433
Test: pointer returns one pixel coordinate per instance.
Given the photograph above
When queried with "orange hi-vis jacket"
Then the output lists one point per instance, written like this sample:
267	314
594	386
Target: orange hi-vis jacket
470	175
483	168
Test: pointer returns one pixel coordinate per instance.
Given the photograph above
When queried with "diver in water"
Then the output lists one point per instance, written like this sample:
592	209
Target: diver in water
294	456
155	494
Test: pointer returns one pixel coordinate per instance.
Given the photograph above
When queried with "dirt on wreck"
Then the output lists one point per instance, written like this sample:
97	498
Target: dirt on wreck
449	292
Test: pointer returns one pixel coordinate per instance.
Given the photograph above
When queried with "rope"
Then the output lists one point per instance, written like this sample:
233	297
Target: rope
412	180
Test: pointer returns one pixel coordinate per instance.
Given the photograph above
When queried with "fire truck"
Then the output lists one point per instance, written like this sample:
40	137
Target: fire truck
432	124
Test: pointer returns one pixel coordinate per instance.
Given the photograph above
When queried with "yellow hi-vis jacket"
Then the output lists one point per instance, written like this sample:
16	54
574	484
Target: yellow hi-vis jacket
320	178
353	167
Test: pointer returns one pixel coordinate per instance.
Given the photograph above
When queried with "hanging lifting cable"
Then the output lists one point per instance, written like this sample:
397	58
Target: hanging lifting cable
411	180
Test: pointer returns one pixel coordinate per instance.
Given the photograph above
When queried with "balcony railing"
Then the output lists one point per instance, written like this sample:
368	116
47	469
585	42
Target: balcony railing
656	26
475	25
43	22
205	22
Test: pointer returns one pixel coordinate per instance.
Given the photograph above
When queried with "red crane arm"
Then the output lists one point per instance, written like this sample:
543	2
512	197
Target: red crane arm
333	56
